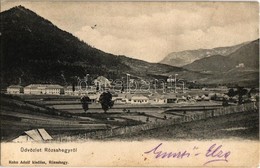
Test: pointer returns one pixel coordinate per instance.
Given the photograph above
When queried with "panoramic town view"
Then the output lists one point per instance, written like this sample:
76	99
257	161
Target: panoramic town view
61	85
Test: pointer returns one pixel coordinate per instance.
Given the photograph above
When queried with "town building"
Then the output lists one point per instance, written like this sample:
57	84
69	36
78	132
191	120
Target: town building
126	97
74	92
102	83
170	98
49	89
162	99
54	89
139	99
181	100
205	97
69	90
198	98
157	99
240	65
14	89
94	97
119	100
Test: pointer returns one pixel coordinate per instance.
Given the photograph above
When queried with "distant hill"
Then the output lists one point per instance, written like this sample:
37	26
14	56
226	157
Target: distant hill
39	52
210	64
240	67
247	56
149	68
182	58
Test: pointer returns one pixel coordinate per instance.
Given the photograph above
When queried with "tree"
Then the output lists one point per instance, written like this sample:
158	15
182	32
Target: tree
231	92
105	100
122	88
214	97
252	91
97	88
85	101
224	102
241	91
257	98
73	87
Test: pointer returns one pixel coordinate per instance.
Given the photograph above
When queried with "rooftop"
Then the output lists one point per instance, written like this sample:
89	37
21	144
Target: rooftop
139	97
15	86
45	86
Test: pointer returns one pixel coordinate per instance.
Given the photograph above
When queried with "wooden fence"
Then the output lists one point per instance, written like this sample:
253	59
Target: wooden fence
188	118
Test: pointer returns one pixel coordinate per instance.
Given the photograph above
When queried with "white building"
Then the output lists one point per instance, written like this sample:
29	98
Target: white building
102	82
170	98
14	89
54	90
119	100
205	97
240	65
68	90
181	100
139	100
49	89
94	97
158	99
34	89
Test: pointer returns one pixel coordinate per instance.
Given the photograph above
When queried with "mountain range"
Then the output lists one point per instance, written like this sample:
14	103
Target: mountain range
182	58
241	66
37	51
246	56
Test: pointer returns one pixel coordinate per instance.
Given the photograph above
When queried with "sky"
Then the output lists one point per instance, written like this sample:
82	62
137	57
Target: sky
151	30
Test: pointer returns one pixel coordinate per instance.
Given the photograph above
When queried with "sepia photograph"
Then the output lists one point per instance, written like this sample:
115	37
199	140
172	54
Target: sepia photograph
93	75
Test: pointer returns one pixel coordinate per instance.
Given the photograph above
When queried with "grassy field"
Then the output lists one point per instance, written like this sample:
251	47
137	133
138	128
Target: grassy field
63	116
19	115
239	126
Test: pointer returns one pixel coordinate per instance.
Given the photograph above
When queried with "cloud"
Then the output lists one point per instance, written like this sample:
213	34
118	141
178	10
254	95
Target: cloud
124	46
151	37
150	31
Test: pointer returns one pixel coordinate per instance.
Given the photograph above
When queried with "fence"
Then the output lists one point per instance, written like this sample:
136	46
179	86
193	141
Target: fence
188	118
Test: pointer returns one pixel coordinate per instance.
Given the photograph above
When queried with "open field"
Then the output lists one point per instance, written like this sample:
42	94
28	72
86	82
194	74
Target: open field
239	126
64	116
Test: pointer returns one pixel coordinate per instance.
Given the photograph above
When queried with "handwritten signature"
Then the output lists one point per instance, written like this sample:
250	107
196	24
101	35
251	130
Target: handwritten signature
213	154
